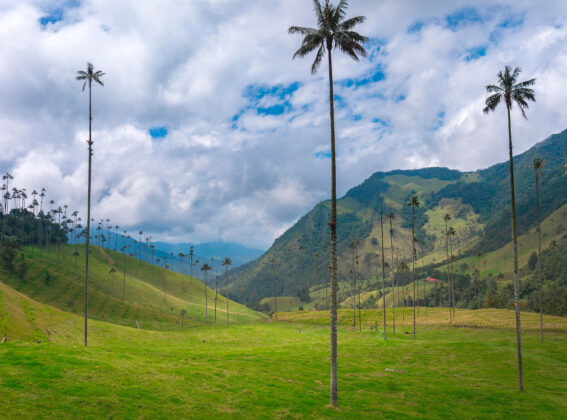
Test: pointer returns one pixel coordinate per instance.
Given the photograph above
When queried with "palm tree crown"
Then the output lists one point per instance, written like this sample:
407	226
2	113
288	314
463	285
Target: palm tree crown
89	76
510	91
332	31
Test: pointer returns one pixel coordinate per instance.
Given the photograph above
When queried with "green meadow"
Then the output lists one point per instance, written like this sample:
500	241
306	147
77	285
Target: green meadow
269	369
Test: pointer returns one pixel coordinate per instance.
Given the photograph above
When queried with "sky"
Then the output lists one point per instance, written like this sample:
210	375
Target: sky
206	128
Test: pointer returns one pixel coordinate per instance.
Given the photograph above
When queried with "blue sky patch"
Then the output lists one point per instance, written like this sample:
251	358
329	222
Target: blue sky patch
279	91
267	100
476	52
158	132
323	155
57	15
463	17
376	76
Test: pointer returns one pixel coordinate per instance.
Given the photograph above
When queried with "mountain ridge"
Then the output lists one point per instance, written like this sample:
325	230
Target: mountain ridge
479	200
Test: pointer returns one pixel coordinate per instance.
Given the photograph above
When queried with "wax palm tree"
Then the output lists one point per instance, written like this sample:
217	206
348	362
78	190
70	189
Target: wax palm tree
89	77
206	268
227	262
538	167
140	233
511	91
391	217
413	203
447	218
333	31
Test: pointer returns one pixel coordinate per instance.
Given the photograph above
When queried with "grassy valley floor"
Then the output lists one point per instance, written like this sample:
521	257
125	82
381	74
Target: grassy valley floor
281	370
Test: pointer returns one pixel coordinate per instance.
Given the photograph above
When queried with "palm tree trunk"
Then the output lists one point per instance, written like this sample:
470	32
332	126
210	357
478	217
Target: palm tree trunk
227	318
413	263
383	272
515	252
206	305
88	218
333	226
393	281
358	292
539	257
216	295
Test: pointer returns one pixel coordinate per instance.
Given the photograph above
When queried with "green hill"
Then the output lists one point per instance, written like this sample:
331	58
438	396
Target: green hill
139	295
477	201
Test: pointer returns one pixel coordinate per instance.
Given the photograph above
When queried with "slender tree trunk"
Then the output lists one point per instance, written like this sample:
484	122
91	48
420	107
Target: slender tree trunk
88	218
413	263
448	276
359	302
216	295
227	317
333	226
353	284
539	257
124	281
383	271
206	304
275	292
393	280
515	252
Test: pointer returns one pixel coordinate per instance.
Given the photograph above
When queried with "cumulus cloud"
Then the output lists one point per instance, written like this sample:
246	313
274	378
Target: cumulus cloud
244	143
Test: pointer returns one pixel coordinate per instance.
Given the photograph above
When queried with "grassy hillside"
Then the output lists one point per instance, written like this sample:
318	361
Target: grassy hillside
280	370
122	299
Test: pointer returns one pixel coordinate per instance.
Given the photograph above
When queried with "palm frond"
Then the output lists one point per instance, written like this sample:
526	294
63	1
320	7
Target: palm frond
319	14
355	36
526	83
347	45
494	88
348	24
318	59
310	43
302	30
340	10
492	102
515	74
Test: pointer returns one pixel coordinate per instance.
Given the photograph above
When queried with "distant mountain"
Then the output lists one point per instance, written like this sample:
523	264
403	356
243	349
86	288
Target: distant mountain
168	253
478	203
239	254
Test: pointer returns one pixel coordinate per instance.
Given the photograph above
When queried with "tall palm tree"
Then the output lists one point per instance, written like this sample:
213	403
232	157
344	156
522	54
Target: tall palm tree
538	167
89	77
333	31
391	217
413	203
206	268
447	217
140	233
227	262
511	91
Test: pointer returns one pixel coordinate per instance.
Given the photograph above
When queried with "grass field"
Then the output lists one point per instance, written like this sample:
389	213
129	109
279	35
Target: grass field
257	368
281	370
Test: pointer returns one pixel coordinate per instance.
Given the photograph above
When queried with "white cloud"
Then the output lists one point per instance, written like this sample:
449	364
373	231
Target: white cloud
188	68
